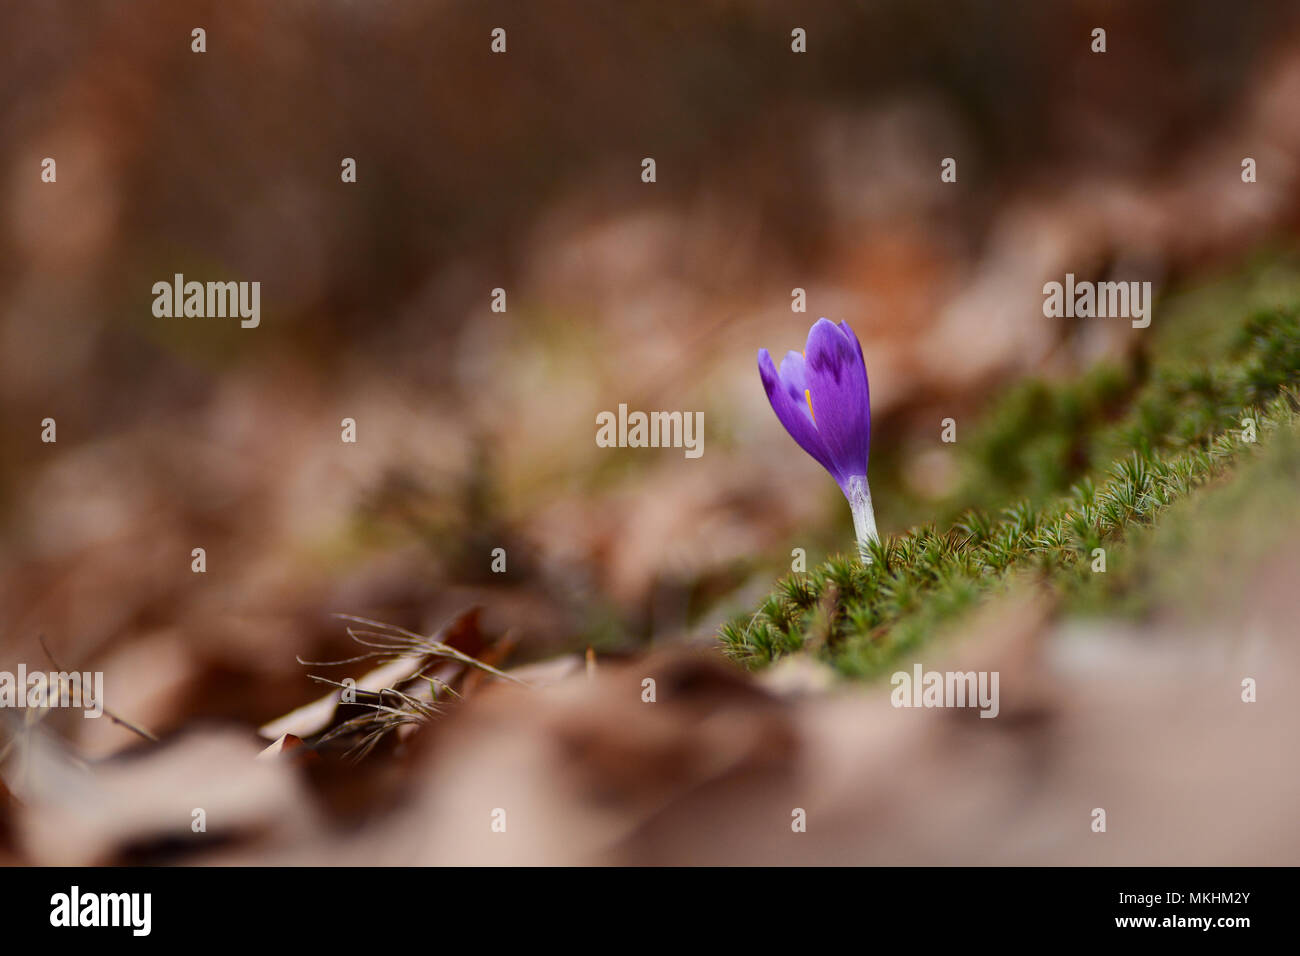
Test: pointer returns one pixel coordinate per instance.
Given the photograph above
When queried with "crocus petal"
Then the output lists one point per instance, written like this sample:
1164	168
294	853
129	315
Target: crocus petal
844	327
794	379
836	376
794	416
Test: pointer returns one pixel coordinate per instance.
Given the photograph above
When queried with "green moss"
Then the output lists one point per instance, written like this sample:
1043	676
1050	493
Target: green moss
1082	465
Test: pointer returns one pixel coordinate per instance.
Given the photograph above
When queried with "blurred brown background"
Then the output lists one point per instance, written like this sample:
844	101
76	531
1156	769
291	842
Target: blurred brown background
522	171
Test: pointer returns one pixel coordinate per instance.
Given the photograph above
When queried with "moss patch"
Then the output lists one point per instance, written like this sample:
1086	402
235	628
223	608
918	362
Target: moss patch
1086	465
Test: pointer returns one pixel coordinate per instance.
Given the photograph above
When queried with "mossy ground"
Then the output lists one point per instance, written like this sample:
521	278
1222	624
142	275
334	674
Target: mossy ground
1153	463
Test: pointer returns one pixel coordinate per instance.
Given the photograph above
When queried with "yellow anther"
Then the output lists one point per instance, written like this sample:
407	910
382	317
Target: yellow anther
807	393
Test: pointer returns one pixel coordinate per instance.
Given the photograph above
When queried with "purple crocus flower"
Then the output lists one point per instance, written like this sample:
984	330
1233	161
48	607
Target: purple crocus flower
822	399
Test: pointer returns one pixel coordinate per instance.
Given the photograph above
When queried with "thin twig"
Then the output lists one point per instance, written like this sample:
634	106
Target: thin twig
121	721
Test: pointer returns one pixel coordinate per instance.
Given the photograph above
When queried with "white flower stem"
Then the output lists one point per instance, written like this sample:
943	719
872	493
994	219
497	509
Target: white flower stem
864	516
